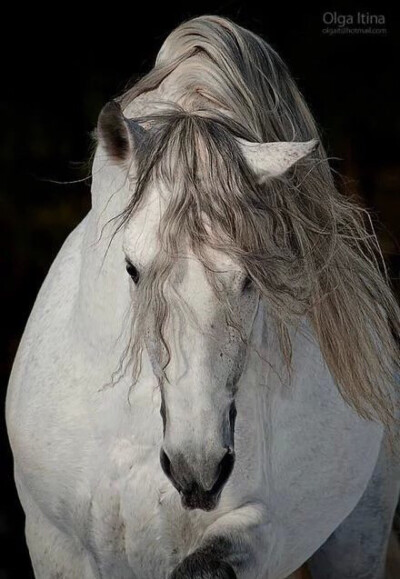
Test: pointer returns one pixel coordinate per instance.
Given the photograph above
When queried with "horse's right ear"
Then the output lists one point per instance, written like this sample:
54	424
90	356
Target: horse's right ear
119	136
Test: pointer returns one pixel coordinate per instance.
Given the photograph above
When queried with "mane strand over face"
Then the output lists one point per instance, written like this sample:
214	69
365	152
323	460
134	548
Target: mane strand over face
309	250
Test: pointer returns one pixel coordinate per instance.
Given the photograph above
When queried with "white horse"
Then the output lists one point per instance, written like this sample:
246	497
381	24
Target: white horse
254	316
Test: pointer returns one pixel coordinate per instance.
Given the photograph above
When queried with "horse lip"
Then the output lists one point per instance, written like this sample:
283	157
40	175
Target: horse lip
205	501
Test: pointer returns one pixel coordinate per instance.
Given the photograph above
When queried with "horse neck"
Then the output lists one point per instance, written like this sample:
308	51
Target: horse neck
103	304
103	299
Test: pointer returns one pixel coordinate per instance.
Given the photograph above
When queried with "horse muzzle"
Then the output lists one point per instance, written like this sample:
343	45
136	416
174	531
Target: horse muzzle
194	495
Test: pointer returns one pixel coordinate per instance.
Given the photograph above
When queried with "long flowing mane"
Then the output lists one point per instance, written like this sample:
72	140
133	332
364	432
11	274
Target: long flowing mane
310	250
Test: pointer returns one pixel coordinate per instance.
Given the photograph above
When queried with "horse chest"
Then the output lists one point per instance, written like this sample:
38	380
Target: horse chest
134	519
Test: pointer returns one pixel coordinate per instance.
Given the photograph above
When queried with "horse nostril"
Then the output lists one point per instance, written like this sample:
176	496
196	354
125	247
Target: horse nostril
232	418
166	466
225	470
165	462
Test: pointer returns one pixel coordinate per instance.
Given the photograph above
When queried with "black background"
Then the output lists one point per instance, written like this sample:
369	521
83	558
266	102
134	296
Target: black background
59	67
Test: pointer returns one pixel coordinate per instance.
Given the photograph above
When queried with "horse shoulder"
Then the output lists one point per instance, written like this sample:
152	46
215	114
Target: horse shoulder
32	381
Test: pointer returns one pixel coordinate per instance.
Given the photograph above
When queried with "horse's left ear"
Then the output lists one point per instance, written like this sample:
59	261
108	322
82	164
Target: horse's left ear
120	136
274	159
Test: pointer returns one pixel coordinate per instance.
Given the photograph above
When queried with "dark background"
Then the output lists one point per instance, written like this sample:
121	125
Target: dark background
59	69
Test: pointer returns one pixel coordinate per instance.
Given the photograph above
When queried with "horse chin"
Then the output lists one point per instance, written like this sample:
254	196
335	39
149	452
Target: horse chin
199	500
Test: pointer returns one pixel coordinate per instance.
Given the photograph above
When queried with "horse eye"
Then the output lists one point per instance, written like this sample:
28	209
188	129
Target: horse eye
133	271
247	283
